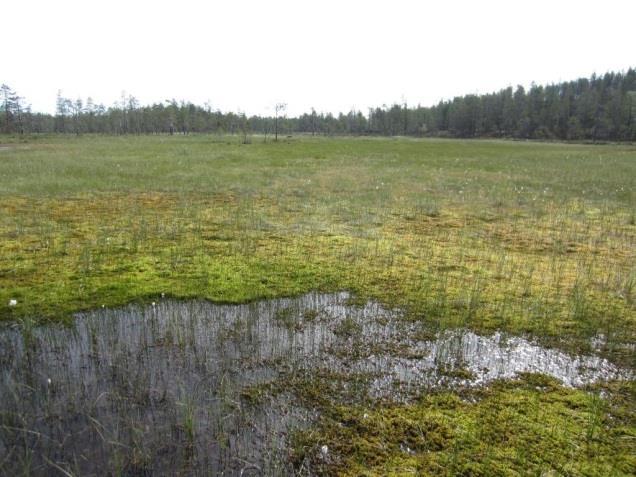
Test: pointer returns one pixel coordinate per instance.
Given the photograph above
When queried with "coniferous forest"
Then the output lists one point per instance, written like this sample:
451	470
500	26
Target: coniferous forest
599	108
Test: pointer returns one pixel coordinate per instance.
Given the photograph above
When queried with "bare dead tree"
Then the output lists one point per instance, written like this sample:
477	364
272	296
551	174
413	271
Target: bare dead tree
279	108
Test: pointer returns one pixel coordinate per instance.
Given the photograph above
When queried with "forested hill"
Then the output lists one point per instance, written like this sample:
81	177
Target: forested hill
599	108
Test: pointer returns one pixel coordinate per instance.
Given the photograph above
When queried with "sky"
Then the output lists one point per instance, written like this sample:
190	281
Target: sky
330	55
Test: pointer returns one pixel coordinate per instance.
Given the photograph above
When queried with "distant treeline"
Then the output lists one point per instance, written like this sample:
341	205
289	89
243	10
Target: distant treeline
596	108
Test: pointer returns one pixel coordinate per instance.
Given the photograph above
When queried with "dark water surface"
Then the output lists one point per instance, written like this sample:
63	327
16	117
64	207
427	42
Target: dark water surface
168	389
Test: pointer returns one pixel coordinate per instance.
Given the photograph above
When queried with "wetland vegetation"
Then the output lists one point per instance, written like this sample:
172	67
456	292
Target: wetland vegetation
349	306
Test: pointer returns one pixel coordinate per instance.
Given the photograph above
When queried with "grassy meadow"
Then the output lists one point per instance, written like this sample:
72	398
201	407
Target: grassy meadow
526	237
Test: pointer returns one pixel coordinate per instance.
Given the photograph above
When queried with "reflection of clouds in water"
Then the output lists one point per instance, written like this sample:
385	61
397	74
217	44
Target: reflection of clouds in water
462	357
367	338
313	330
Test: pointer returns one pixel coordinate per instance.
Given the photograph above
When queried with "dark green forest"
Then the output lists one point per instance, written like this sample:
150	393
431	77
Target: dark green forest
598	108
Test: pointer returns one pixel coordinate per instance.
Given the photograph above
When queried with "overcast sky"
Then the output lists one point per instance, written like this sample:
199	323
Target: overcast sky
332	55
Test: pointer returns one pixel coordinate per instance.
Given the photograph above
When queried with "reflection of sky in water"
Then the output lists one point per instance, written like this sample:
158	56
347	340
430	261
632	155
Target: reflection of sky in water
141	370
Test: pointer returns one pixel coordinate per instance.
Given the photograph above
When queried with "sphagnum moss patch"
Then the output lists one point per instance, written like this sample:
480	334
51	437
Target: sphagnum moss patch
524	237
531	426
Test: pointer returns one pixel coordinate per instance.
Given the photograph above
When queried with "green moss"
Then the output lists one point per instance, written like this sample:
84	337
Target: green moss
529	427
98	220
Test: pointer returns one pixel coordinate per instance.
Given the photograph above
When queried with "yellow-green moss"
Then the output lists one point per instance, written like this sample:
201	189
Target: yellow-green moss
492	235
526	427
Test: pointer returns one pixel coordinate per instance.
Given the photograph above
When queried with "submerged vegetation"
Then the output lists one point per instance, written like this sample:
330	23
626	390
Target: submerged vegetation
516	237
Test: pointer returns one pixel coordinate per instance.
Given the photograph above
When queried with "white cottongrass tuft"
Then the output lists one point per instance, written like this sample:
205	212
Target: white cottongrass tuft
324	450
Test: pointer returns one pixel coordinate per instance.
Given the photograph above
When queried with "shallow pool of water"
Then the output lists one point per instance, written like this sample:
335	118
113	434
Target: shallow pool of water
166	388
